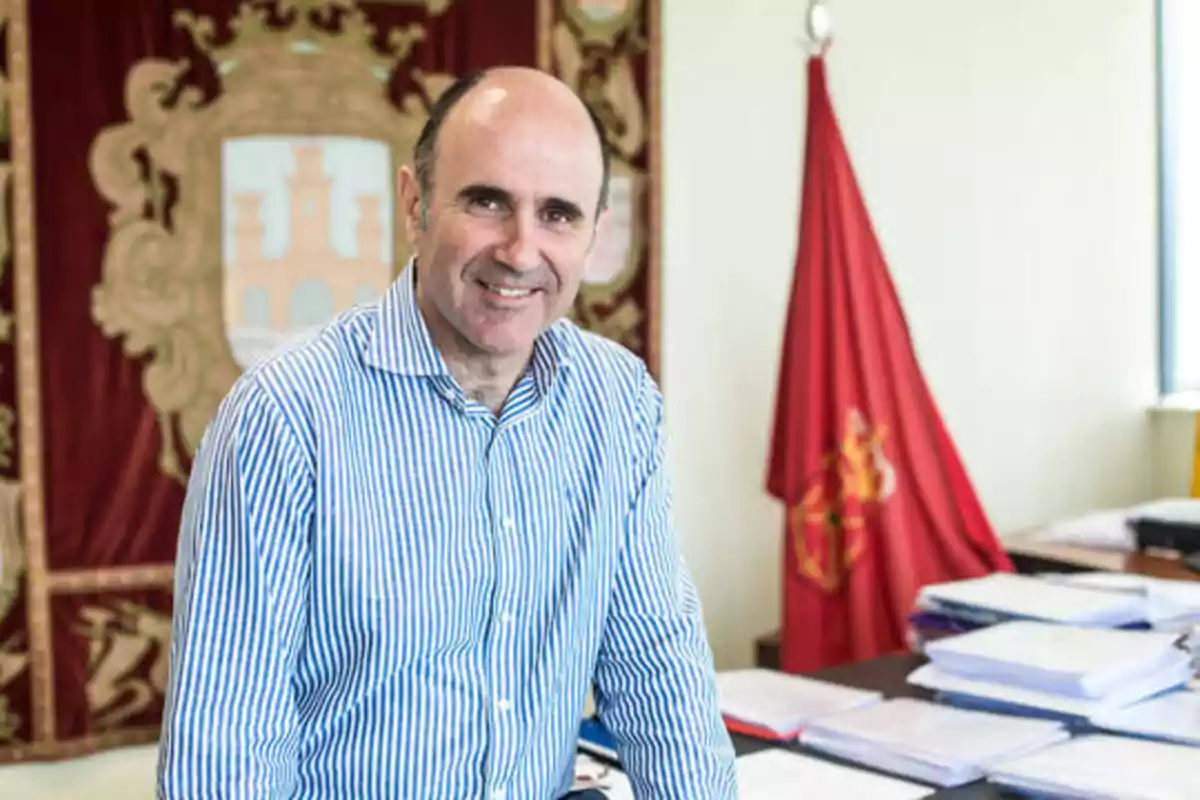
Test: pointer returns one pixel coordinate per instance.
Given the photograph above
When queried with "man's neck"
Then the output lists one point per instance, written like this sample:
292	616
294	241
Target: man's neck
485	380
484	377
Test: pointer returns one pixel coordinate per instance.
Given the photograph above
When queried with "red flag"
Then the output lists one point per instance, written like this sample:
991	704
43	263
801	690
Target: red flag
877	501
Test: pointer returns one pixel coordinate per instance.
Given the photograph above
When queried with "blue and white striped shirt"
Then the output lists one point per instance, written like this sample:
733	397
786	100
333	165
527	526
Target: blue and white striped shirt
383	590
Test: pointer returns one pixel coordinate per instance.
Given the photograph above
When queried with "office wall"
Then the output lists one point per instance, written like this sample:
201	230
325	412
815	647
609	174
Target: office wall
1006	149
1173	431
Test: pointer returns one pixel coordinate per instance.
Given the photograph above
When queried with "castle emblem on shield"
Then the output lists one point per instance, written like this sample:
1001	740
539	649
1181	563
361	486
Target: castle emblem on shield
248	216
308	228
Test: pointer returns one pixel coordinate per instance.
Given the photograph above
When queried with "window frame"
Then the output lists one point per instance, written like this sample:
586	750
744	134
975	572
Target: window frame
1167	202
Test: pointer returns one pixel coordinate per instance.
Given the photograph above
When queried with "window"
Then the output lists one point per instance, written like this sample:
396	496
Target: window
1179	176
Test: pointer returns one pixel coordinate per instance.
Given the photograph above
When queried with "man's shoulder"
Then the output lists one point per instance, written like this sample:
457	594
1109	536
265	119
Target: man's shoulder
600	362
317	362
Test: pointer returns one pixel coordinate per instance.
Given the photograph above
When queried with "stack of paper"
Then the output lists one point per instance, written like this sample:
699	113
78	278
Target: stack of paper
929	742
948	609
1003	596
1108	529
1060	669
1103	767
989	695
1172	605
1115	529
1173	717
783	775
777	706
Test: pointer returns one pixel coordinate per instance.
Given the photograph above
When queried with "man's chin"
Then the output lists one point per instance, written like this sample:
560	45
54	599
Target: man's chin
505	344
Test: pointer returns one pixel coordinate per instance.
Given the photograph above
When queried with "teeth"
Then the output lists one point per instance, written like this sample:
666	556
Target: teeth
503	292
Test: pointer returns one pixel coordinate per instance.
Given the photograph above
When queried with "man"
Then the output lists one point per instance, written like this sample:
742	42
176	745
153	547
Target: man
412	543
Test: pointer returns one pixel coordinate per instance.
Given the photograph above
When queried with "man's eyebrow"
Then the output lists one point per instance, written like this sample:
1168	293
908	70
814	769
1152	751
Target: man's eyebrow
567	207
484	191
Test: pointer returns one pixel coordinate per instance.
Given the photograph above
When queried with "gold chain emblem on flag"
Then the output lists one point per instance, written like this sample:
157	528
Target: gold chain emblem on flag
827	526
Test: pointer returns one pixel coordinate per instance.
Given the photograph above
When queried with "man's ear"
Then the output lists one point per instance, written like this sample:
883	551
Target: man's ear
408	189
598	230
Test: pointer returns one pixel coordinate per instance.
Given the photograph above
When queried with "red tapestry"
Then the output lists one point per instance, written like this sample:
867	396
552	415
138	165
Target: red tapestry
187	183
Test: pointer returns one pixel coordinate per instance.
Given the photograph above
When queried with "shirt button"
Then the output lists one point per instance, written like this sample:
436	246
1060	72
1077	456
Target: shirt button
506	618
498	794
509	525
504	705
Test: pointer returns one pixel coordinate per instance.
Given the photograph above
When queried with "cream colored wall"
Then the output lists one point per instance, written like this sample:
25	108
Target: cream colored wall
1006	149
1173	434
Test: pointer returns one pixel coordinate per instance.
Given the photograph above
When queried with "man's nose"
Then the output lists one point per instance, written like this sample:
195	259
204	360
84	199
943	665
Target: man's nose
520	248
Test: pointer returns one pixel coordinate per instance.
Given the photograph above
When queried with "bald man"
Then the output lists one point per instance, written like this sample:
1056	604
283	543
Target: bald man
414	541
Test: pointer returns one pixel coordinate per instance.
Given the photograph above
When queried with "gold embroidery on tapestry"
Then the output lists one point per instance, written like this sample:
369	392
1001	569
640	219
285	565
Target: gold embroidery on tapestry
8	420
6	317
593	47
13	658
8	416
13	661
435	8
128	658
166	290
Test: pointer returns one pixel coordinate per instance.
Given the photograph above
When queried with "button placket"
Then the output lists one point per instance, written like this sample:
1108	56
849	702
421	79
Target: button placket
503	530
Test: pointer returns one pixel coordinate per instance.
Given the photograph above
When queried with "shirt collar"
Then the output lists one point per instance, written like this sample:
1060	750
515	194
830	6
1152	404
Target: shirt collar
401	343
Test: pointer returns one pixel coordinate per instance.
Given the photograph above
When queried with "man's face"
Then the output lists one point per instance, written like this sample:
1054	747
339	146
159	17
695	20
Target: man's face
511	221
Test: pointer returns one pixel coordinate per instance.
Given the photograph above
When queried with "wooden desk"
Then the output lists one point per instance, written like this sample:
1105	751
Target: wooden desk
887	675
1030	555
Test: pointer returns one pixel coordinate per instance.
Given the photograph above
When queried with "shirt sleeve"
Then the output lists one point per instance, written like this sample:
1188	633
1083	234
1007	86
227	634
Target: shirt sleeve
230	726
655	687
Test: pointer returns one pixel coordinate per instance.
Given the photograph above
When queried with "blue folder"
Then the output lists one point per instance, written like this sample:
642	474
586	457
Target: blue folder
595	740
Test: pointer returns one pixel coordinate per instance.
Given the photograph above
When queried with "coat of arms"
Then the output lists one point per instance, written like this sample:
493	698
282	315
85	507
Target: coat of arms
829	524
593	49
244	219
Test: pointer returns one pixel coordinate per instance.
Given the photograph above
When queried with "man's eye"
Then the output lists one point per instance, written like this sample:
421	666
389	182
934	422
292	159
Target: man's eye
558	217
485	203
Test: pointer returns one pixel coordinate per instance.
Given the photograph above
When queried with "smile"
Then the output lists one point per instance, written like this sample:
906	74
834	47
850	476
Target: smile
505	291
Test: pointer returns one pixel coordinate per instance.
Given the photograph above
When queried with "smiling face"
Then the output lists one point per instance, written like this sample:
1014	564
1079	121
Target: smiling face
511	216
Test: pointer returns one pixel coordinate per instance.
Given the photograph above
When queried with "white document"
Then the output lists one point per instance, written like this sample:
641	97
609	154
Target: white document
783	775
998	695
593	774
1030	597
1172	600
1103	530
1104	767
1061	659
929	742
1105	581
1174	717
1168	602
1182	510
784	703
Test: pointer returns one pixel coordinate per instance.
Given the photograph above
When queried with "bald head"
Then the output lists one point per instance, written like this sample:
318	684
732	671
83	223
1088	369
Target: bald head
506	98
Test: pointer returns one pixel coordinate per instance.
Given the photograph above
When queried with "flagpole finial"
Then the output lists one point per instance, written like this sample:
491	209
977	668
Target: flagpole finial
818	25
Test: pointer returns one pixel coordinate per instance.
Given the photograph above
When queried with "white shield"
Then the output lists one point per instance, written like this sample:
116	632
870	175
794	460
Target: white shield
307	226
603	10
